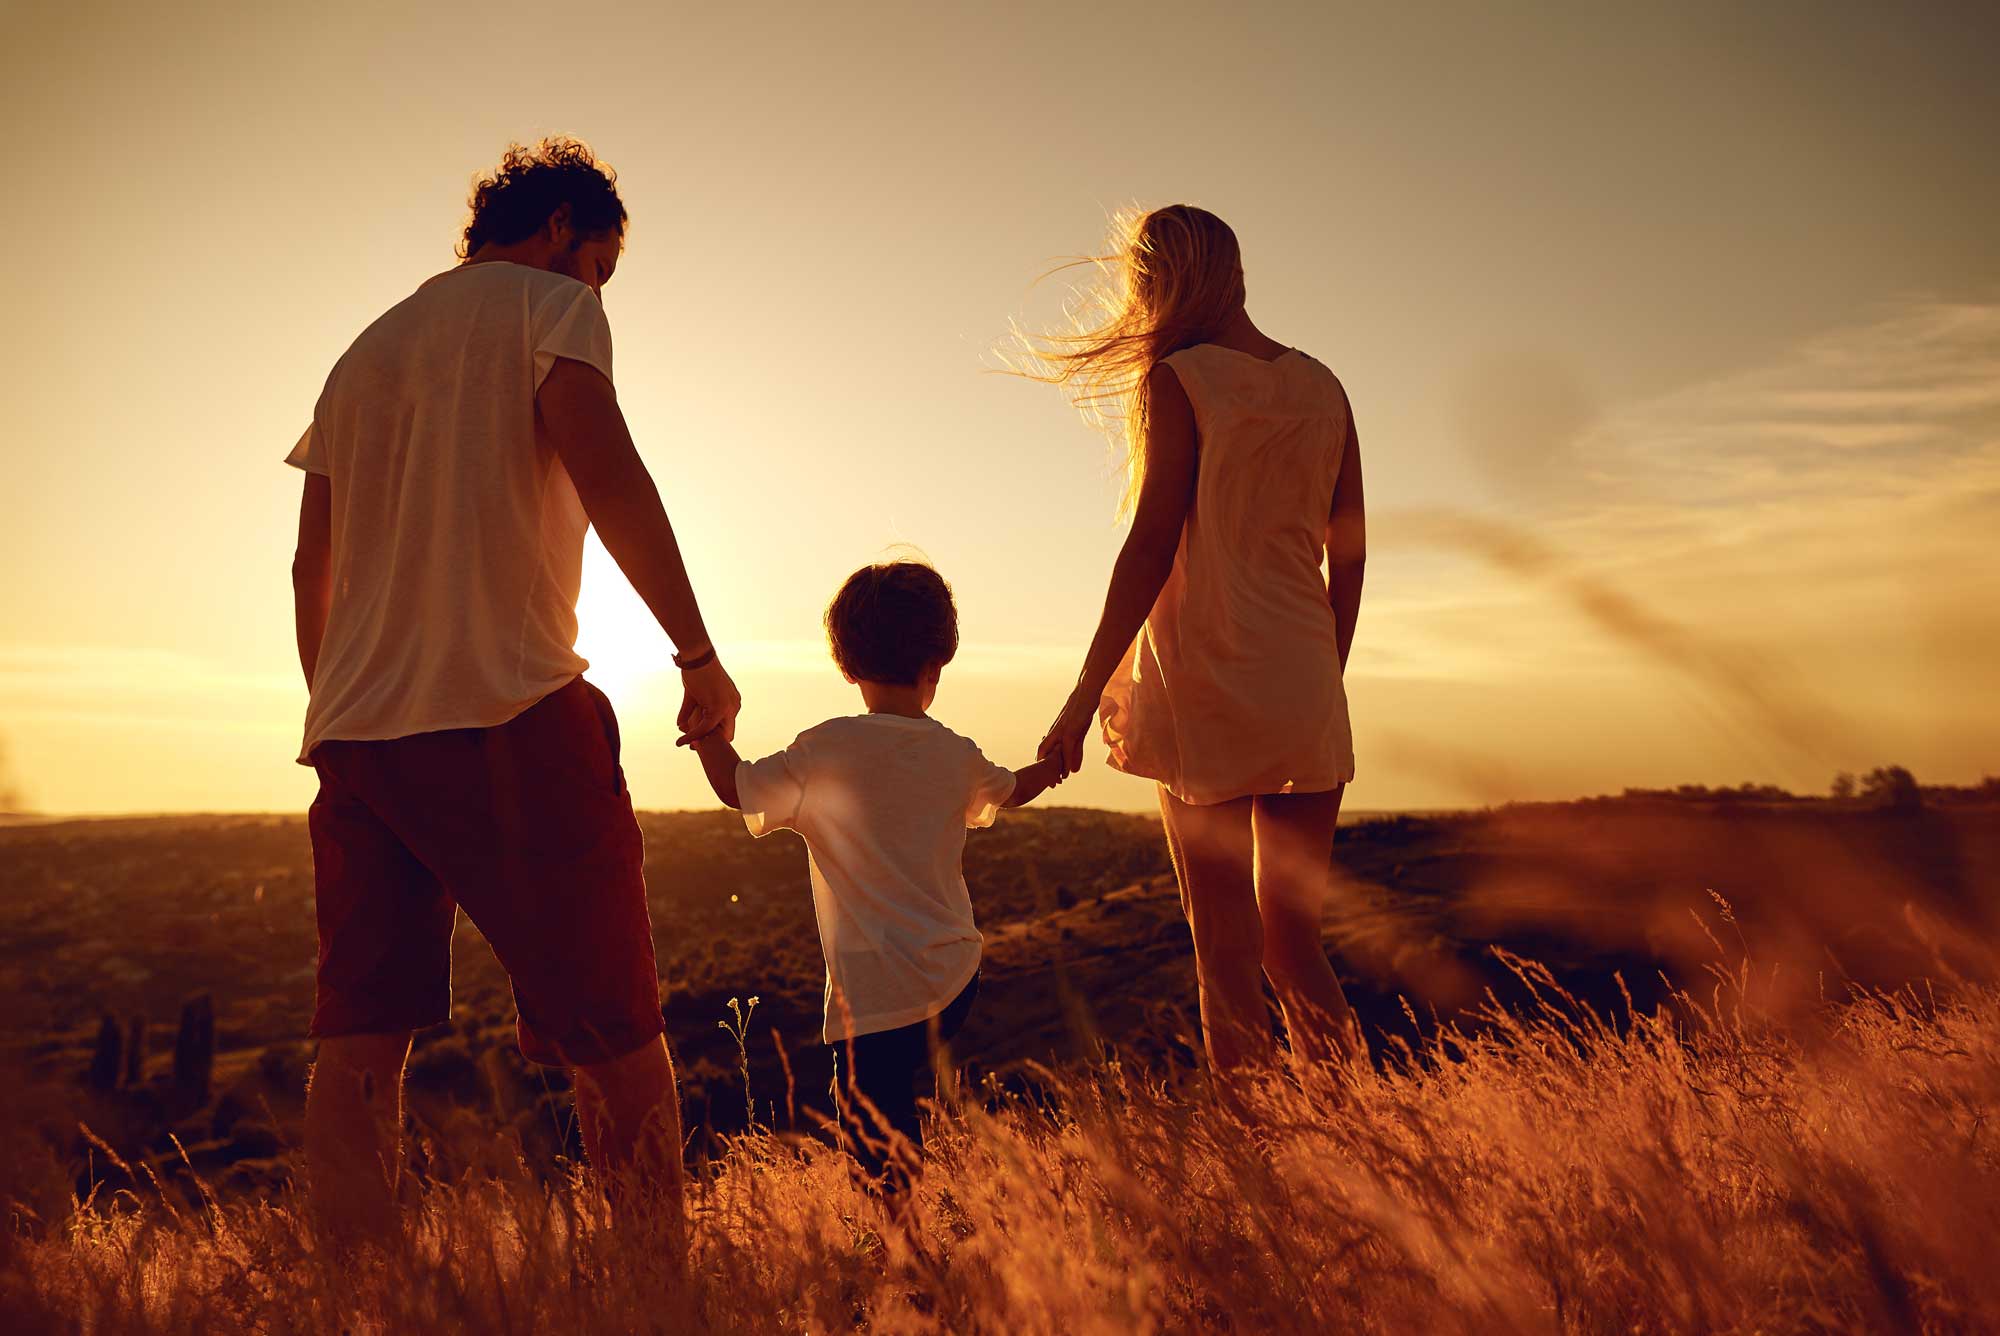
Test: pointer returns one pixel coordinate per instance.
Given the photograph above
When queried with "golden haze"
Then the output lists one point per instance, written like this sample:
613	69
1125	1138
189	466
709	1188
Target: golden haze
1665	300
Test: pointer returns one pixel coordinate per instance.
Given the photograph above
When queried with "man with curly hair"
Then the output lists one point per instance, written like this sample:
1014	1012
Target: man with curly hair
458	453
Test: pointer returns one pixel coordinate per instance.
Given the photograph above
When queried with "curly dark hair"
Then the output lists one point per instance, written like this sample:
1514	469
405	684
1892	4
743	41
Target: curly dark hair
891	621
513	201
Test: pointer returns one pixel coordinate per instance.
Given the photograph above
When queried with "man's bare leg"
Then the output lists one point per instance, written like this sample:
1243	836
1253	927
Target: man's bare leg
354	1125
631	1114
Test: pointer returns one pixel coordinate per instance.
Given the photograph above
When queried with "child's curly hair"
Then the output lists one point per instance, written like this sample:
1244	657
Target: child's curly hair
891	621
513	202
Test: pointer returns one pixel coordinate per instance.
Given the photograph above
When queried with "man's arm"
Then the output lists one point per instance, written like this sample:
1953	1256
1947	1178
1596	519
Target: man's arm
312	570
579	410
1032	781
1346	544
719	761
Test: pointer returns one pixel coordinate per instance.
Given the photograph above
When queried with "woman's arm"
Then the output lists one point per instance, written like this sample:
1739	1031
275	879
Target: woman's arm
1346	543
1165	495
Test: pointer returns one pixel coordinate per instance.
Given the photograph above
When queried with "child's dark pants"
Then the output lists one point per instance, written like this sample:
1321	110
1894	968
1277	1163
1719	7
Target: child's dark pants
886	1069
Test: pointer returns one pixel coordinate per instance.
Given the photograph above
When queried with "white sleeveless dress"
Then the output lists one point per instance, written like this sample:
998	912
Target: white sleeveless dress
1233	686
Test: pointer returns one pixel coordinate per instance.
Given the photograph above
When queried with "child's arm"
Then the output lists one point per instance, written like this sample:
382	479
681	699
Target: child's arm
1031	781
719	761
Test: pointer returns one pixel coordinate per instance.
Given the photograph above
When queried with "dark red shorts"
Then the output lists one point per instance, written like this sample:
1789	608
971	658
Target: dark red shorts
529	827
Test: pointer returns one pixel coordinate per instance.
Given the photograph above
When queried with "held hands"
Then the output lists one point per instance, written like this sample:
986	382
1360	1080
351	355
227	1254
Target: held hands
1064	740
710	705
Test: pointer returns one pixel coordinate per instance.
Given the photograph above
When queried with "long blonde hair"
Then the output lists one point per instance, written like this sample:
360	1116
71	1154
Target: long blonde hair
1168	279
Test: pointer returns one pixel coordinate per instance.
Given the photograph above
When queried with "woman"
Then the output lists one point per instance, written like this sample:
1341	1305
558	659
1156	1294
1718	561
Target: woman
1216	668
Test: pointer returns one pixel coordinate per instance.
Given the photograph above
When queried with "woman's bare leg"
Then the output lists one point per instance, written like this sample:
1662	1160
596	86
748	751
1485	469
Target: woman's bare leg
1212	853
1294	843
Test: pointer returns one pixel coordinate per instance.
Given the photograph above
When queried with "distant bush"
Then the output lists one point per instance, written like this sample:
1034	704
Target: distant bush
1893	787
1986	793
1890	787
1700	793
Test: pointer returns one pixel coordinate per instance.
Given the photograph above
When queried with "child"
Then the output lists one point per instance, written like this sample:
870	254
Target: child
883	800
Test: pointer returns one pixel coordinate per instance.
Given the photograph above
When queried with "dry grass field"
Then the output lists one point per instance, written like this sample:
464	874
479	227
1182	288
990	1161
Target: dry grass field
1725	1070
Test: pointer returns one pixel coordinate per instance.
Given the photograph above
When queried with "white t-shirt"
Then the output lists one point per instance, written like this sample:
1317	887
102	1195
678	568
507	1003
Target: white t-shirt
457	533
883	802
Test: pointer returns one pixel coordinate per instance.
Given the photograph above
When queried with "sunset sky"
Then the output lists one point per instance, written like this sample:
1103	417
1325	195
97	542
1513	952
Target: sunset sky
1673	340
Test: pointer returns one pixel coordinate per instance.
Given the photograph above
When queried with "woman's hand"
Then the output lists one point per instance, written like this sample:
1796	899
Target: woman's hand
1064	739
711	703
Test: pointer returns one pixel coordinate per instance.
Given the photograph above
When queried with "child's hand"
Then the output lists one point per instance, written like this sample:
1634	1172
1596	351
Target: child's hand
714	737
1034	779
718	762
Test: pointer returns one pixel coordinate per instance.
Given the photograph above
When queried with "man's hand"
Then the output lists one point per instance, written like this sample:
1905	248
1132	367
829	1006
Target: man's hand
710	705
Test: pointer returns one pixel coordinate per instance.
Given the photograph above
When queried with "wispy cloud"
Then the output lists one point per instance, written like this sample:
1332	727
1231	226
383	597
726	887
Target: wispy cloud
1916	388
1805	545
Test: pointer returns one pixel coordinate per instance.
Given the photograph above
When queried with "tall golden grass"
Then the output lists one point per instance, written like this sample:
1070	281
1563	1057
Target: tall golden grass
1696	1169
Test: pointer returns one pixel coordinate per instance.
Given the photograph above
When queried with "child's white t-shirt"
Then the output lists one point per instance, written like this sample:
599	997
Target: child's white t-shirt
883	801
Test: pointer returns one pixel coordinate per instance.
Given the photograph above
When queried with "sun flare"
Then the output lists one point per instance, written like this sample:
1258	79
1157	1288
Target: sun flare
616	631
